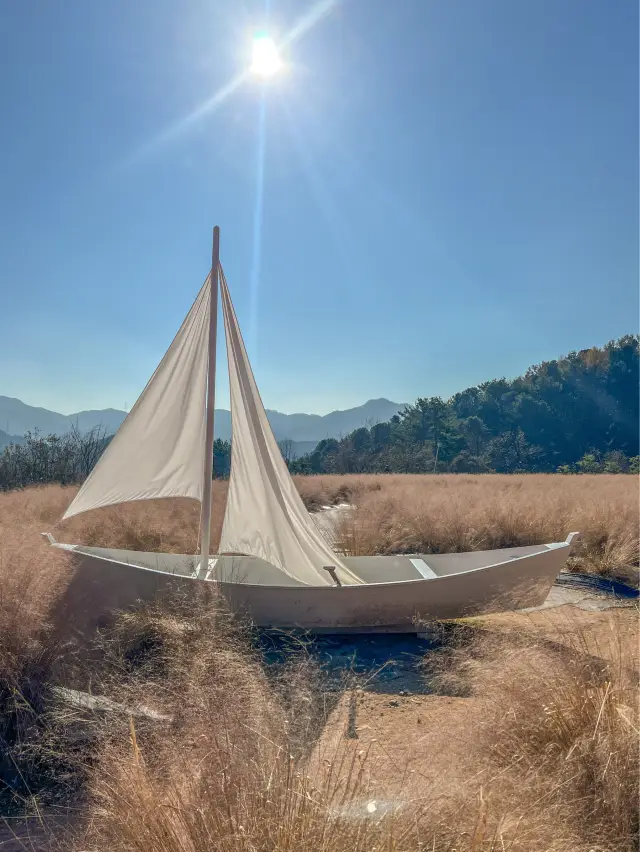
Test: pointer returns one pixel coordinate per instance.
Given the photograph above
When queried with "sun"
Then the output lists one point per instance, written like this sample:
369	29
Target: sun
266	59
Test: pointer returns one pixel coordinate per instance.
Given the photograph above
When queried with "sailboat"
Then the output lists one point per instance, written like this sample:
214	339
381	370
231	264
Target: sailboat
273	563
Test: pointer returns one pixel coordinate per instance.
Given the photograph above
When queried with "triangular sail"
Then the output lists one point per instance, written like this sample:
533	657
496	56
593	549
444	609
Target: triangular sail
265	515
158	451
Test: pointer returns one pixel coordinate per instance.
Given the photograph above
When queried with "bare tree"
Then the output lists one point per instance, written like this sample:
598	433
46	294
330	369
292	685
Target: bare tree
39	459
287	450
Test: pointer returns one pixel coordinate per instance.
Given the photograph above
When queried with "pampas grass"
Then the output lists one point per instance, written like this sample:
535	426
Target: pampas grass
399	514
452	513
548	745
211	753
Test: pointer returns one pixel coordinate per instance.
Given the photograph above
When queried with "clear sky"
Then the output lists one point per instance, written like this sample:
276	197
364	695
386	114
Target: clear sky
435	193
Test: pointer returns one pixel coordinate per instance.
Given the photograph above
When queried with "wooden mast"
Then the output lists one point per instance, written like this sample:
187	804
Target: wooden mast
205	516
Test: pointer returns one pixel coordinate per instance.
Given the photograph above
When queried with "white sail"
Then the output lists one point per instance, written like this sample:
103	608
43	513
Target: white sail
158	451
265	515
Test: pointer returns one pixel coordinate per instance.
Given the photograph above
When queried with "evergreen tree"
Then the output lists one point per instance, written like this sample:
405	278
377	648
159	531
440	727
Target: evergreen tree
576	414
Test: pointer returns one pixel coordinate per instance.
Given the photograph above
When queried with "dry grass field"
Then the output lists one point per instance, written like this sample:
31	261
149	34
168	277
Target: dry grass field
526	741
392	514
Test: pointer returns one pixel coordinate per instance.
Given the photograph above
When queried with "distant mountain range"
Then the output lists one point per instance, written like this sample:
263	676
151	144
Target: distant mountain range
17	418
303	430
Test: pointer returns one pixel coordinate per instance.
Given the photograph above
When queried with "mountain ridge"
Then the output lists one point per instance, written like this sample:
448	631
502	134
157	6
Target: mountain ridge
17	418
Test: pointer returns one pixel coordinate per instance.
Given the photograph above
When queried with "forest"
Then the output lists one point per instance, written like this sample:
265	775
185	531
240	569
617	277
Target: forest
575	414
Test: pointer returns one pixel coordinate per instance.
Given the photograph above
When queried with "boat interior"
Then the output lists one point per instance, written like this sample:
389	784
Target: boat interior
371	569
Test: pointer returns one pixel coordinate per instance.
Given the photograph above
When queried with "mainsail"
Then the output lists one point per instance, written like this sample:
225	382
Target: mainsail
265	515
158	451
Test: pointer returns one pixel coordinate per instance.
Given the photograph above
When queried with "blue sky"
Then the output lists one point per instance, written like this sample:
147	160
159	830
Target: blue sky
449	191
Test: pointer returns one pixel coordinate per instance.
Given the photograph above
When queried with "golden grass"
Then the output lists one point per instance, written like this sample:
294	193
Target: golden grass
32	576
555	726
223	773
397	514
548	747
545	741
570	726
449	513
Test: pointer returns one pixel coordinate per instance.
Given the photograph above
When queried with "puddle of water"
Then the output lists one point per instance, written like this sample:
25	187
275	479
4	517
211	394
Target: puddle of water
387	662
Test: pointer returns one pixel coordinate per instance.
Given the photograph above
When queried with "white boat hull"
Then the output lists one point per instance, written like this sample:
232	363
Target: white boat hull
427	587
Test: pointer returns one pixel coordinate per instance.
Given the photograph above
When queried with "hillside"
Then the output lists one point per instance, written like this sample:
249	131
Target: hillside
579	412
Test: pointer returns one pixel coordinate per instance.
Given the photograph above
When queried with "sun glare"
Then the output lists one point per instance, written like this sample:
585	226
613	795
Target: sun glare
266	59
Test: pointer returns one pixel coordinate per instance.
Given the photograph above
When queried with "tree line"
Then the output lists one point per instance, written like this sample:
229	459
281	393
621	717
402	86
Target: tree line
68	459
39	459
575	414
